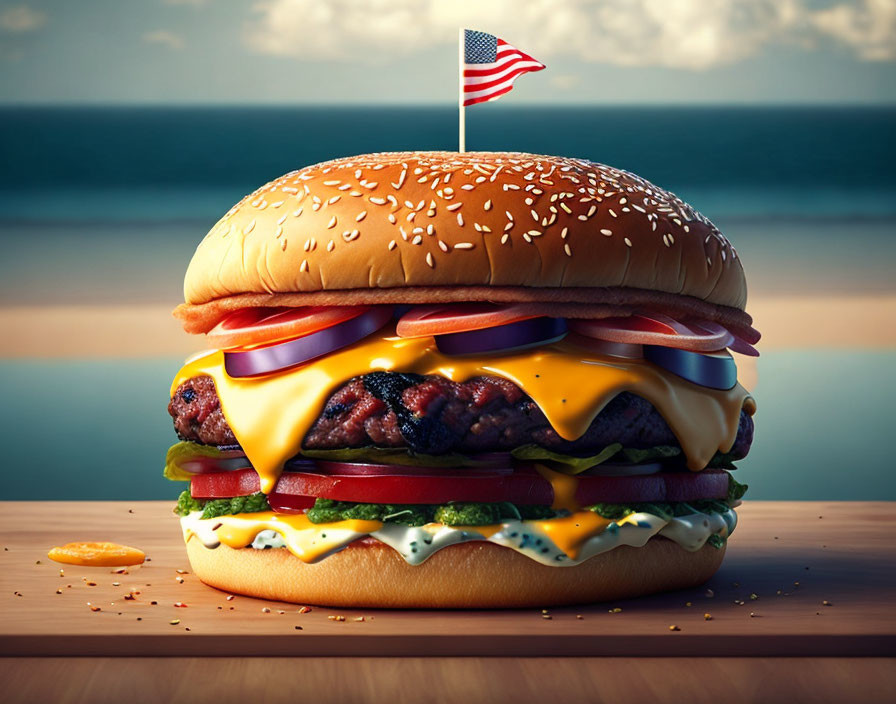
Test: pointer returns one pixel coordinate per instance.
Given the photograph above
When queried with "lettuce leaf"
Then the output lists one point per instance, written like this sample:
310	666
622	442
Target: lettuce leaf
736	490
650	454
184	451
390	455
571	464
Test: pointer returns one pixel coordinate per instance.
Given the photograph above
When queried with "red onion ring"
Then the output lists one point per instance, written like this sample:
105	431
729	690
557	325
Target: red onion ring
509	337
264	360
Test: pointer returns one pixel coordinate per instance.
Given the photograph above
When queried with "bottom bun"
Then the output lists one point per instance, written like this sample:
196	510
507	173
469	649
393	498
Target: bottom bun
468	575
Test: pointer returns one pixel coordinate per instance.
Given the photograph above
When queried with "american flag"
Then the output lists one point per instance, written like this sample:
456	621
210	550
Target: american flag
491	65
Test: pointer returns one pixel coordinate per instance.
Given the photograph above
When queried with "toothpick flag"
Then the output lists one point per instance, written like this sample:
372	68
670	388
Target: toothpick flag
488	66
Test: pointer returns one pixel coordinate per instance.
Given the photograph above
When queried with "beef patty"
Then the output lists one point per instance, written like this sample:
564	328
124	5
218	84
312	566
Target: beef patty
433	415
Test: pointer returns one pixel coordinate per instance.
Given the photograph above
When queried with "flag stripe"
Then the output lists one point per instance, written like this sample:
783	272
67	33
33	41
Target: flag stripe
490	89
480	82
486	98
491	66
486	69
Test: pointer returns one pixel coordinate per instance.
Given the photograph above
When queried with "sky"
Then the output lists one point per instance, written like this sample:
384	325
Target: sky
405	51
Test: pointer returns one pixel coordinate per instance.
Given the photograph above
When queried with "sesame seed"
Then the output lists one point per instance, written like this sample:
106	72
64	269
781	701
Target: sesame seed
454	206
377	201
360	216
460	220
392	245
430	230
527	238
332	223
304	265
505	238
628	242
391	218
488	205
565	207
564	233
417	240
567	249
248	228
606	233
331	245
612	212
592	210
297	212
534	233
334	199
444	247
429	260
464	245
332	183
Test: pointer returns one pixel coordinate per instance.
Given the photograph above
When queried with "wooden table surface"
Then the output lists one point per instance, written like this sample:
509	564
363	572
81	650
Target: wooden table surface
800	579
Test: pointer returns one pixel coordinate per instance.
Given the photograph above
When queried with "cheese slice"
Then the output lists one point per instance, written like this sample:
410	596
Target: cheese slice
271	414
565	541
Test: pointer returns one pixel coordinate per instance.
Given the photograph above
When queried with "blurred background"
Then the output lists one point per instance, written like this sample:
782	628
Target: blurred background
127	129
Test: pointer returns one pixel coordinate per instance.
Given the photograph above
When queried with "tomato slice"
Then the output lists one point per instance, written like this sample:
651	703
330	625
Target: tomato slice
224	485
296	490
251	327
655	329
423	321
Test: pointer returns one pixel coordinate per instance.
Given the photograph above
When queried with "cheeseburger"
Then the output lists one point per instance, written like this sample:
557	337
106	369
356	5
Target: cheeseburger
461	380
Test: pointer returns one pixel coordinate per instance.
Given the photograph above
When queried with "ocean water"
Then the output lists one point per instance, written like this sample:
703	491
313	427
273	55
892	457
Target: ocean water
95	429
105	205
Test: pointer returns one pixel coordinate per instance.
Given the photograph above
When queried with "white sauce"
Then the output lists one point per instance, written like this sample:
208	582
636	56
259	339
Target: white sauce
415	545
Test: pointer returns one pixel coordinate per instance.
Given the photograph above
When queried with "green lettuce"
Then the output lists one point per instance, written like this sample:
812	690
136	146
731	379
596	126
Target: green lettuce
650	454
570	463
186	451
390	455
736	490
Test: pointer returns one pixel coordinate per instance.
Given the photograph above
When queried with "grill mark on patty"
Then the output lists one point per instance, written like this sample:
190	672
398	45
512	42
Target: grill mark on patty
434	415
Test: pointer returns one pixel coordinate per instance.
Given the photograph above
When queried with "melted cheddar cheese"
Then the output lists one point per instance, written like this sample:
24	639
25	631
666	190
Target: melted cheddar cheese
271	414
563	541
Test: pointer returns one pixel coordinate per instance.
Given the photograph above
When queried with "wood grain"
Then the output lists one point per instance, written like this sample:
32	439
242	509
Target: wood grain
792	556
447	680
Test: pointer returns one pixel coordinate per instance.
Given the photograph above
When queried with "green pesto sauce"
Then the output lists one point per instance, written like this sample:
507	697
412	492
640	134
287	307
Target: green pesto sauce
212	508
453	514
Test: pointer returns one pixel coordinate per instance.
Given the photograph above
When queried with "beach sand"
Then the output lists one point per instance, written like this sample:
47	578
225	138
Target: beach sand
148	330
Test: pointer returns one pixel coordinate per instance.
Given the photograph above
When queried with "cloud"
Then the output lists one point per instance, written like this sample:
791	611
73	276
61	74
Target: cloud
683	34
566	81
165	38
868	28
19	19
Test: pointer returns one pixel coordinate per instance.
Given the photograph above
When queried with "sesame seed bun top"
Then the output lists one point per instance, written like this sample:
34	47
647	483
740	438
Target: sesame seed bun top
419	221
